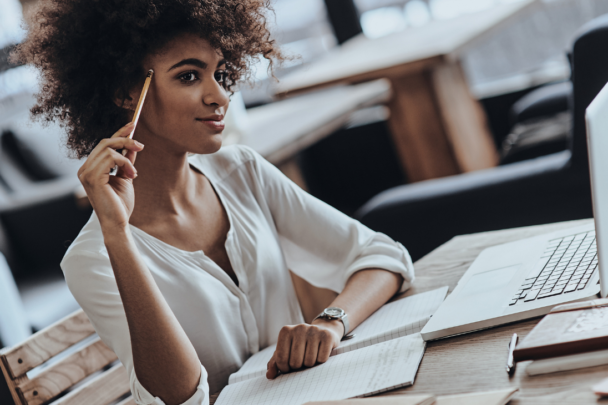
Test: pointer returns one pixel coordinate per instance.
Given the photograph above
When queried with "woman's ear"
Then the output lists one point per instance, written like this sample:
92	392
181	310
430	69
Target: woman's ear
124	100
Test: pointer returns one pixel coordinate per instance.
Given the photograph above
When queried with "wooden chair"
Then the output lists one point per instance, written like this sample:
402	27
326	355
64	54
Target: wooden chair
64	374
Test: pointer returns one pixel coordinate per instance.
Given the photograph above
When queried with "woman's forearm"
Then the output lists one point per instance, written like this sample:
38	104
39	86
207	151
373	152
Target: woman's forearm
365	292
306	345
165	361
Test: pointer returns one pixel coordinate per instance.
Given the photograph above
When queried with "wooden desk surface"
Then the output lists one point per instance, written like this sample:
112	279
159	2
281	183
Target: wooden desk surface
413	49
476	361
438	128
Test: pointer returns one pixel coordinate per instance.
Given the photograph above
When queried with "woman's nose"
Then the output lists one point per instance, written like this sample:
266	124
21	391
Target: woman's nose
216	94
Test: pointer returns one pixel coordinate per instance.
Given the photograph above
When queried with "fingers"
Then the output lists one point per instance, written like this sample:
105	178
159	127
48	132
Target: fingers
301	346
299	343
283	349
125	166
312	349
104	157
272	370
96	170
325	348
119	140
116	143
105	162
124	131
131	155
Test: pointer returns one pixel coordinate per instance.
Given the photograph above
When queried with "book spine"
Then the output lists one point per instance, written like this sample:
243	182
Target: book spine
570	362
560	349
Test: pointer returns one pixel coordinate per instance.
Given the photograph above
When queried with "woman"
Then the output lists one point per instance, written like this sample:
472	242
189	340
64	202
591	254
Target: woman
183	268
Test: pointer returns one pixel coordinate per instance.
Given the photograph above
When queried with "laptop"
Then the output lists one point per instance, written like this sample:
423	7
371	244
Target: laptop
528	277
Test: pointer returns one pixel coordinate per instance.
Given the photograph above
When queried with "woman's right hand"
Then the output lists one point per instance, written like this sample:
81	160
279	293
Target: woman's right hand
112	197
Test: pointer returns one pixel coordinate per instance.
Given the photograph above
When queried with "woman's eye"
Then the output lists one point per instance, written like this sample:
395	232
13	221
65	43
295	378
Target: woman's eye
220	76
188	77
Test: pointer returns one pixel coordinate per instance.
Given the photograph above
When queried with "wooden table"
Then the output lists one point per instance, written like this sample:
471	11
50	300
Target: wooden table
476	361
439	129
280	130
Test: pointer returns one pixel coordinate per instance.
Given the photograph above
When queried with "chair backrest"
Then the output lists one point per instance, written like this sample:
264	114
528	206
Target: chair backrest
14	325
589	61
60	357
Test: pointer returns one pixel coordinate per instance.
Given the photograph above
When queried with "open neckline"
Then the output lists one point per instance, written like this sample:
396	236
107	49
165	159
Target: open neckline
229	234
199	251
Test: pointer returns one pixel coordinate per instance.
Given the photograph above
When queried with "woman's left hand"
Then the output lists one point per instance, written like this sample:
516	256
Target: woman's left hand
304	345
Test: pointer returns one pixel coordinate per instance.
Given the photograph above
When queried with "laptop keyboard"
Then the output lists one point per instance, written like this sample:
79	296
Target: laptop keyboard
565	266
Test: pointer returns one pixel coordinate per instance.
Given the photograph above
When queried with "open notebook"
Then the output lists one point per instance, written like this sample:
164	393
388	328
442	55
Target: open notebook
399	318
367	371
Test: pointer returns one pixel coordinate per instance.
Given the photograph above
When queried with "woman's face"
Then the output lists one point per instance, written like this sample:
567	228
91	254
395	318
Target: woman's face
186	103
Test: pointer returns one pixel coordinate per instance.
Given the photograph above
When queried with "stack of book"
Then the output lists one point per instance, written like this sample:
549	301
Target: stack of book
570	337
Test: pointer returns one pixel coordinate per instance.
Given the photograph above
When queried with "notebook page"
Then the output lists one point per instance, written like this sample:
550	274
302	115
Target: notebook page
396	319
371	370
255	366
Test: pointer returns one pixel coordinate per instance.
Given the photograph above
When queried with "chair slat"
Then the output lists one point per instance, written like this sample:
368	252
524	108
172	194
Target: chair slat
108	387
47	343
127	401
11	383
69	371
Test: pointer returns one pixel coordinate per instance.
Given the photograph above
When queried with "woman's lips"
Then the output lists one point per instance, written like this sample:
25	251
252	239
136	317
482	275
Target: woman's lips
213	124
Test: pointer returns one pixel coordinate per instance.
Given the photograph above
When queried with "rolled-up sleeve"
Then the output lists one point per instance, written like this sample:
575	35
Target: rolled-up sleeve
142	396
90	278
322	245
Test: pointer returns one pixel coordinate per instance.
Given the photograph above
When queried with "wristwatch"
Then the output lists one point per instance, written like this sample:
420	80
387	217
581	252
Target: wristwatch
332	313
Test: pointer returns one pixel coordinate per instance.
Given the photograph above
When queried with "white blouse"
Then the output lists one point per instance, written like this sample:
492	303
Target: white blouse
274	226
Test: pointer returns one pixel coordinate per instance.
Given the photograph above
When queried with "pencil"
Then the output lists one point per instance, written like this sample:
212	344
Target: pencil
140	104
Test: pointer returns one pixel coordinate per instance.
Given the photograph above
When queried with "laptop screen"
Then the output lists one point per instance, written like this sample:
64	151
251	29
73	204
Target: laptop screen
597	145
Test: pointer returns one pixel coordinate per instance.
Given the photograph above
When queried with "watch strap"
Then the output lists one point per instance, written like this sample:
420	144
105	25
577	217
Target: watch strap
343	319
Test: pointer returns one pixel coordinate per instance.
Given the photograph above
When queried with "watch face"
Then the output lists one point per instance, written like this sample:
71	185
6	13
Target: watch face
334	312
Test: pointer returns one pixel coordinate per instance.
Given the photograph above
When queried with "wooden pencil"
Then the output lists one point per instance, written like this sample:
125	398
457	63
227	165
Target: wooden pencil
140	104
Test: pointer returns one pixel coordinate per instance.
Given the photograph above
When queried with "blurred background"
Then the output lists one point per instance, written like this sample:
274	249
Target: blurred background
424	119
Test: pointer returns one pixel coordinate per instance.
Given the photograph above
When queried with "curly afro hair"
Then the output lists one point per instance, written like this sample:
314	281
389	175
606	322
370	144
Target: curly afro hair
90	51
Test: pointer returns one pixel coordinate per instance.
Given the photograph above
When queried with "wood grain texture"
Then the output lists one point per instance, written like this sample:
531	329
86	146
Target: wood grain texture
464	120
476	362
127	401
391	72
366	59
47	343
417	129
10	382
446	264
107	387
438	128
69	371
